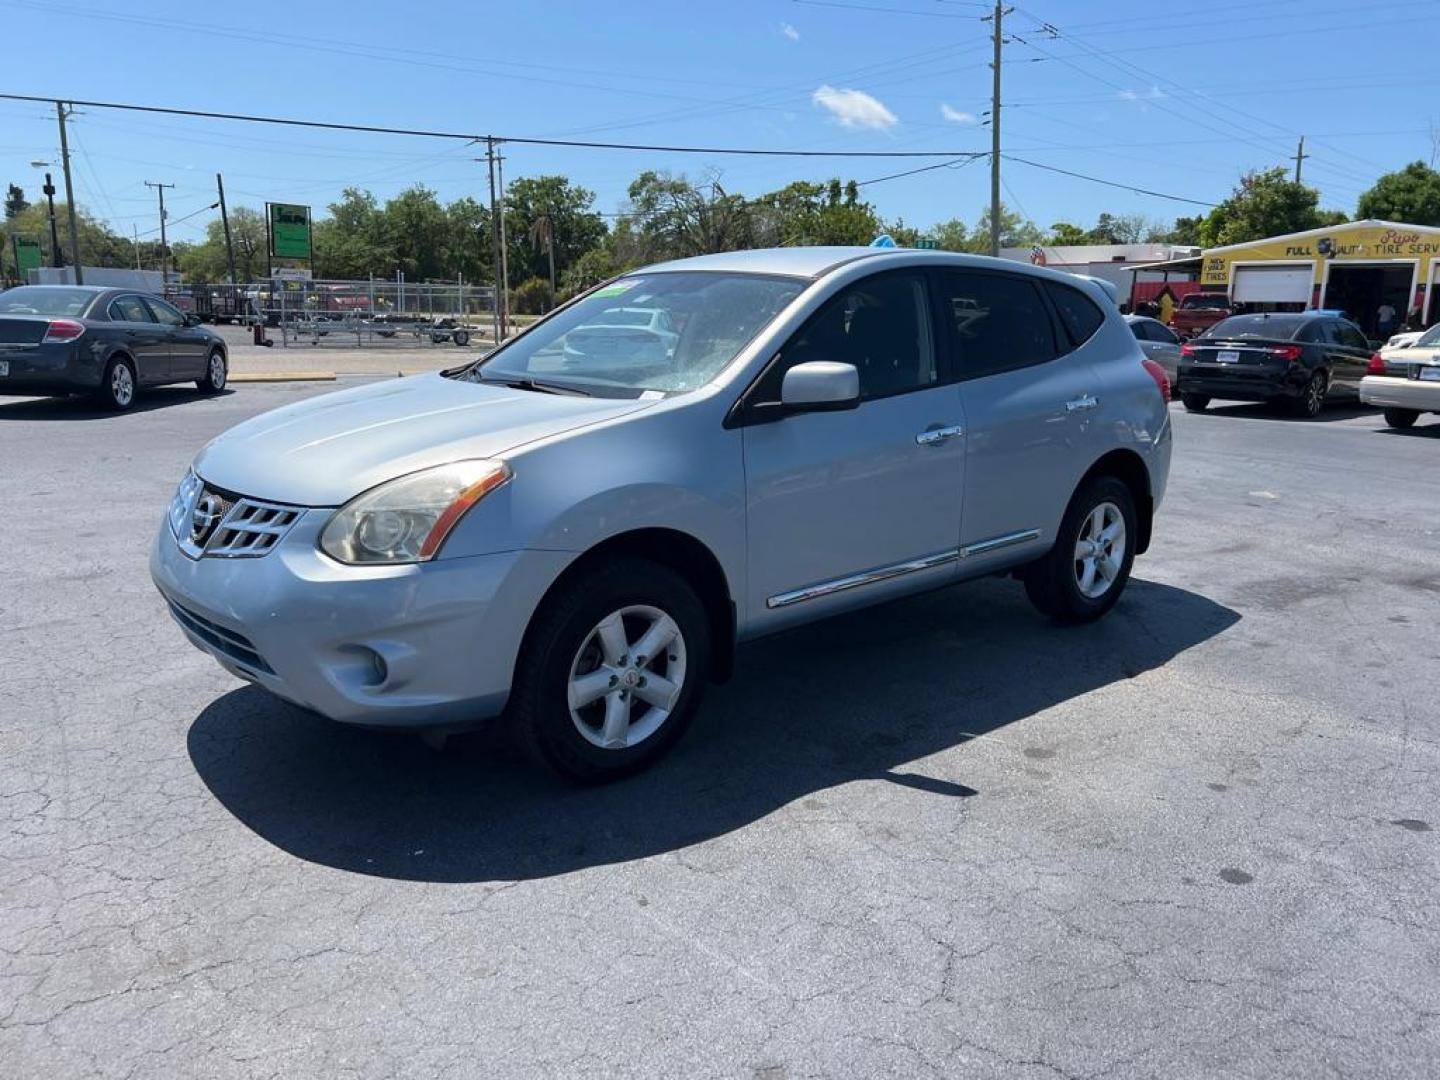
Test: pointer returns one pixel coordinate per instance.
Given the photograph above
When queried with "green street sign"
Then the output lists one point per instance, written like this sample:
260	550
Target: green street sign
926	244
27	255
289	231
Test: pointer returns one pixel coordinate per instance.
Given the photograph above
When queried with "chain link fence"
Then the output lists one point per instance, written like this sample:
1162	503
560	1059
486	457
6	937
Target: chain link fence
347	314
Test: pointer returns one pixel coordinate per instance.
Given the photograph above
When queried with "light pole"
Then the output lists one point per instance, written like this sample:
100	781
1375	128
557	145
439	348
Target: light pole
55	258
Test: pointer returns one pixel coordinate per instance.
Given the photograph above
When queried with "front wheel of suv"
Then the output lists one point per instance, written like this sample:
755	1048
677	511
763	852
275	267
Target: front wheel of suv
1087	569
611	671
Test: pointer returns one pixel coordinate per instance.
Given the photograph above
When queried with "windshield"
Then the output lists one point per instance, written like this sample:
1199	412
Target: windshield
669	332
1199	300
1271	327
1430	337
43	300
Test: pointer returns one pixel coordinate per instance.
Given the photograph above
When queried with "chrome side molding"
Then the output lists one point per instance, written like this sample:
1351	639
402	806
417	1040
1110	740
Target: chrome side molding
894	570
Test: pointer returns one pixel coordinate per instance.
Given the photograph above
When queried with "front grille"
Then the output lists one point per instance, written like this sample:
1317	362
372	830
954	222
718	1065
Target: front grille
228	526
228	643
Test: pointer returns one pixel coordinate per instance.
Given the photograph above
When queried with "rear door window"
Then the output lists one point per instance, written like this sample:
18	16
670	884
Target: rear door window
1078	312
130	309
164	313
996	322
1350	336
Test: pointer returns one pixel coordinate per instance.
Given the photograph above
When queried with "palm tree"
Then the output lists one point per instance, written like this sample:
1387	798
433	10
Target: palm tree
542	235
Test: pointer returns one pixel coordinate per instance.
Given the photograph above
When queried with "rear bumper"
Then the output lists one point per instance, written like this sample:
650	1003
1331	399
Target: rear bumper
48	369
1389	392
1233	383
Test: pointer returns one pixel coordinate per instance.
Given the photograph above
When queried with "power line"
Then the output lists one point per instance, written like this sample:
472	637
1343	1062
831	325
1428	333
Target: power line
958	164
522	140
1109	183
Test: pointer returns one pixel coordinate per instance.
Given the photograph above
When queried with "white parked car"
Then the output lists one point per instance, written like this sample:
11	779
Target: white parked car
1404	381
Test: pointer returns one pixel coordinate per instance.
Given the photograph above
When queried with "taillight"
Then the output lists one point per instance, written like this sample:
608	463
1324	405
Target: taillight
1291	353
1158	374
62	330
1376	365
1187	349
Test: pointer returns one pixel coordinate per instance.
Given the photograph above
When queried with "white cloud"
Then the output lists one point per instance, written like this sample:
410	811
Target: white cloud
789	31
957	116
1153	94
854	108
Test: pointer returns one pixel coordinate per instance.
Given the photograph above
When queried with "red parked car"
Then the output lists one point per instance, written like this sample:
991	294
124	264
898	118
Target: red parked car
1199	311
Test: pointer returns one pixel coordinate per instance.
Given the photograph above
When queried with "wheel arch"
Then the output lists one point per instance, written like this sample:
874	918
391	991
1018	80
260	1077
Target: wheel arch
1130	469
688	557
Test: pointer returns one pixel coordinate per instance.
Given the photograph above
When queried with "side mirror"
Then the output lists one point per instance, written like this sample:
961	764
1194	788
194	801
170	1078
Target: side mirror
192	319
821	385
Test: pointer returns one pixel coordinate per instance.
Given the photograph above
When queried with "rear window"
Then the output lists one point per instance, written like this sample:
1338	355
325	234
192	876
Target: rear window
1206	300
1273	327
45	300
1077	311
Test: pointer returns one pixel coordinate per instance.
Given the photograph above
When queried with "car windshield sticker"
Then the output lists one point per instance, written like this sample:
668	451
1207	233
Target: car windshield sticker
619	287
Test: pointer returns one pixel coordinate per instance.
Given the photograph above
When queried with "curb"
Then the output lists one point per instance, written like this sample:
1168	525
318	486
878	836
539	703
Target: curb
282	376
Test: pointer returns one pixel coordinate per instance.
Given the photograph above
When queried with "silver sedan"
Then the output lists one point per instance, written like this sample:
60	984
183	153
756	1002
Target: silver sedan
1158	342
577	539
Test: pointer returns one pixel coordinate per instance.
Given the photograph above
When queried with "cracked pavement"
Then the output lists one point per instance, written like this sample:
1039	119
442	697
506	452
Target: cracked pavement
936	838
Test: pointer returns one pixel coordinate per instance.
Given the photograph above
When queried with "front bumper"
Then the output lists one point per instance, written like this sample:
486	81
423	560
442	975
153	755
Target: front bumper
57	368
1389	392
431	644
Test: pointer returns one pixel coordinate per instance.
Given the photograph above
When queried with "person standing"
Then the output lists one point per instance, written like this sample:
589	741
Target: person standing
1385	319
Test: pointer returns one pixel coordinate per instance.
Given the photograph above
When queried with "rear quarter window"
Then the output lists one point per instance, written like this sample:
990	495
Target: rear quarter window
1080	315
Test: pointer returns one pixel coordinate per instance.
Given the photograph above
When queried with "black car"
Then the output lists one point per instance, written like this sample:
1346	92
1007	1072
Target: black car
72	339
1296	359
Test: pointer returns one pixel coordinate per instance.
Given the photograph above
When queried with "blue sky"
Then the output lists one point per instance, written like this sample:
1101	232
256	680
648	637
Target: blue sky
1177	98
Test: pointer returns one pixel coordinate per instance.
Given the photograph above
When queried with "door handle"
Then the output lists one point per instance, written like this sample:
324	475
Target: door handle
1084	401
936	435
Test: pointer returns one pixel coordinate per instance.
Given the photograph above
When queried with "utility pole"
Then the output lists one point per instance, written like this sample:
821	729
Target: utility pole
225	221
56	259
69	195
504	253
164	248
1300	157
494	237
135	242
998	40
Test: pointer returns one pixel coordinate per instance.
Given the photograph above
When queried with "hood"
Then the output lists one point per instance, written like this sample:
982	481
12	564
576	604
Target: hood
328	449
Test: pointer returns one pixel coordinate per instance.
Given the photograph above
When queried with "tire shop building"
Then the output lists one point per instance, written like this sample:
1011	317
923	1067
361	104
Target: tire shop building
1357	268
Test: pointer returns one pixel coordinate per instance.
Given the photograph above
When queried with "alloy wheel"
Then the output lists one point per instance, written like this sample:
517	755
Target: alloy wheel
122	385
1100	550
627	677
217	371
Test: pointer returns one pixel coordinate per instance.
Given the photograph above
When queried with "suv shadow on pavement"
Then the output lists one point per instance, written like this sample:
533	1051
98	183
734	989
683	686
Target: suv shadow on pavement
856	697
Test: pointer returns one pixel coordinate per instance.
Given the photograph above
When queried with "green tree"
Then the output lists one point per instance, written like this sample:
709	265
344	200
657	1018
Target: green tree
951	235
1015	231
809	213
99	245
207	261
14	201
1411	196
353	242
572	223
1064	234
1264	204
669	217
416	230
1184	233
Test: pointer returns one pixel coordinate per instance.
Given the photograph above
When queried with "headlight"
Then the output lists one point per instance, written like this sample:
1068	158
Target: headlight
406	520
182	504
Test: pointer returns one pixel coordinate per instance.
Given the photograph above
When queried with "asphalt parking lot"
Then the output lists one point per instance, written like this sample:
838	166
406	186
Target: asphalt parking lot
940	838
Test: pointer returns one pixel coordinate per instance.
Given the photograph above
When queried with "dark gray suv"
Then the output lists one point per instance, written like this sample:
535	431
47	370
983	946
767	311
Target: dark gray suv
72	339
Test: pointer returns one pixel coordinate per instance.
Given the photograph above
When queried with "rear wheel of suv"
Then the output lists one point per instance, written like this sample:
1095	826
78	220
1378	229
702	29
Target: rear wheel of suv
1401	418
117	387
1195	402
611	671
1089	566
1309	404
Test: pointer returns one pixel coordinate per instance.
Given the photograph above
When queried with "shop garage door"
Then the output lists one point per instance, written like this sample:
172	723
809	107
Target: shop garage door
1272	284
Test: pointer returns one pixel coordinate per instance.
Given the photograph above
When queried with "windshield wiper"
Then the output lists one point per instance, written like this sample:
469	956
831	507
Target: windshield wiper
524	382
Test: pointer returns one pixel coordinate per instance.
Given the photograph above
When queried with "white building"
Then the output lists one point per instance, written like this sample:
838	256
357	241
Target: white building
1110	262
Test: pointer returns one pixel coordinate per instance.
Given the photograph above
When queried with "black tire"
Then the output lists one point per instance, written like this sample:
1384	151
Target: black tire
1053	583
1195	402
1401	418
217	373
461	338
539	708
113	392
1311	401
